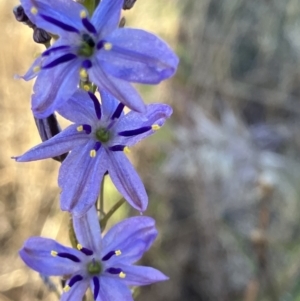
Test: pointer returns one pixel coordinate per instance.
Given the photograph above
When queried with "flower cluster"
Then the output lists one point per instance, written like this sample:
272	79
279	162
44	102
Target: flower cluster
91	53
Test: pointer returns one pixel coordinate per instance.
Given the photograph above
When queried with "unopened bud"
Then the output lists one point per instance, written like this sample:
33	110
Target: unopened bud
20	14
41	36
128	4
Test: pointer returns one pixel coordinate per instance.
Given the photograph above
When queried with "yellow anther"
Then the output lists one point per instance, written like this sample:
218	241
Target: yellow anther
83	73
93	153
83	14
79	128
34	10
86	88
118	252
155	127
79	247
54	253
66	288
126	150
122	275
108	46
36	69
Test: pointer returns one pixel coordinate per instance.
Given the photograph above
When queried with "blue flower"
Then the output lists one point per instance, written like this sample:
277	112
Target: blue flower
93	49
104	264
97	139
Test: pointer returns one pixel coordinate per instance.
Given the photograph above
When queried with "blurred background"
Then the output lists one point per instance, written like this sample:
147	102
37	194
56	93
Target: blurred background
223	175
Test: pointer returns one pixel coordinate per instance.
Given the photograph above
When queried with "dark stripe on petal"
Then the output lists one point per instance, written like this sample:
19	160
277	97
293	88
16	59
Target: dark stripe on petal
117	148
54	49
63	59
75	279
135	132
87	128
114	271
86	251
97	146
69	256
108	256
100	44
117	113
87	64
96	105
96	287
88	25
60	24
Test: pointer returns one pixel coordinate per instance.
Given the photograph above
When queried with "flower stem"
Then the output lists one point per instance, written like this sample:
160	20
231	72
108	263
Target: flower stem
109	214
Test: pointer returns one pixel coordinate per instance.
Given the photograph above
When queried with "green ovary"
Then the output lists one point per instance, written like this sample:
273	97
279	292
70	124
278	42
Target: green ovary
102	135
86	50
94	268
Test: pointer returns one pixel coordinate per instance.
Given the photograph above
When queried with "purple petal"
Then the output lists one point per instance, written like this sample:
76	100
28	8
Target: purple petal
112	289
127	181
141	275
132	236
80	177
107	16
120	89
57	145
67	12
36	253
87	230
47	97
138	56
156	114
78	109
109	105
76	292
30	74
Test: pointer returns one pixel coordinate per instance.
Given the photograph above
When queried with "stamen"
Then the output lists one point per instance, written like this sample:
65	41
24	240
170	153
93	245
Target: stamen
83	74
96	148
155	127
86	22
135	132
96	287
126	150
54	49
84	127
117	113
122	275
110	254
107	46
93	153
60	24
34	10
63	59
74	279
117	148
85	250
96	105
36	69
65	255
66	288
86	88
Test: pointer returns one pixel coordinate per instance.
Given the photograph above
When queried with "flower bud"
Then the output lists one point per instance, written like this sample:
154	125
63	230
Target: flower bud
128	4
41	36
20	14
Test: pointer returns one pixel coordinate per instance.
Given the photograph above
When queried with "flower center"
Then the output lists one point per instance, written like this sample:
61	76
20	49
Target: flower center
102	135
94	267
87	46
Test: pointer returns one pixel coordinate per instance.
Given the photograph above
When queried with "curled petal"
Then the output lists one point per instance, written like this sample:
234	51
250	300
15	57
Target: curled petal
57	145
133	236
36	253
67	12
120	89
141	275
78	108
138	56
87	229
156	114
107	16
80	177
127	181
46	98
